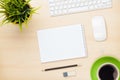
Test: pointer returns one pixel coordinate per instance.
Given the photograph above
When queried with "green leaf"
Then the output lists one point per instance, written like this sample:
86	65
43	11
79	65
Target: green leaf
2	11
20	25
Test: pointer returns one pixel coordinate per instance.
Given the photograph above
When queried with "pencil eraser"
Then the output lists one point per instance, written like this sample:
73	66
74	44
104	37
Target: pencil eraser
65	74
68	74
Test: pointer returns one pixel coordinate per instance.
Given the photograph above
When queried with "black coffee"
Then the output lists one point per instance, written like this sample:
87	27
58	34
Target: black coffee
106	72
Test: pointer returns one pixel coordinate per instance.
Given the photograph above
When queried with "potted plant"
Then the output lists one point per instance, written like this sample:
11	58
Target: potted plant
16	11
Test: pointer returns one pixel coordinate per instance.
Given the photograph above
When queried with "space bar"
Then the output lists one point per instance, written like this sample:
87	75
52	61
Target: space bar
78	9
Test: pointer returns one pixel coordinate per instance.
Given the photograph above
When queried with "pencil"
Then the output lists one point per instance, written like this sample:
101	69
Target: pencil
61	67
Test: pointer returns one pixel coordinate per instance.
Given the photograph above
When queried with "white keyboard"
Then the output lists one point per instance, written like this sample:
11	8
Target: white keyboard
62	7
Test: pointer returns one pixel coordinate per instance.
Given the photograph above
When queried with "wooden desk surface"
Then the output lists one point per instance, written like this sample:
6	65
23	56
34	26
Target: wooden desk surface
19	52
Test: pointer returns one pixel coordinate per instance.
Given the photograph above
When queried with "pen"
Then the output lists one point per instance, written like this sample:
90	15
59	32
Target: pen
61	67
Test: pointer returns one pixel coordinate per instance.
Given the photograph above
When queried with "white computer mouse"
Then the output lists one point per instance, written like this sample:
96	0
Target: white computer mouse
99	28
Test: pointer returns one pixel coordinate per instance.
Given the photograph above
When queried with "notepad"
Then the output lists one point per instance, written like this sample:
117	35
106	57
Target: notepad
61	43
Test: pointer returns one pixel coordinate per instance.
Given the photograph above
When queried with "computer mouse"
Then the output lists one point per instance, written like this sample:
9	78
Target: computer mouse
99	28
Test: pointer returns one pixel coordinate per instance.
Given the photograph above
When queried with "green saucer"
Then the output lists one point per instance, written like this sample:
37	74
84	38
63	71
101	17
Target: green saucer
103	60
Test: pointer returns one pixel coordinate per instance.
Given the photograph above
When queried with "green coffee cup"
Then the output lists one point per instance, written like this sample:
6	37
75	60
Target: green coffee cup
103	61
